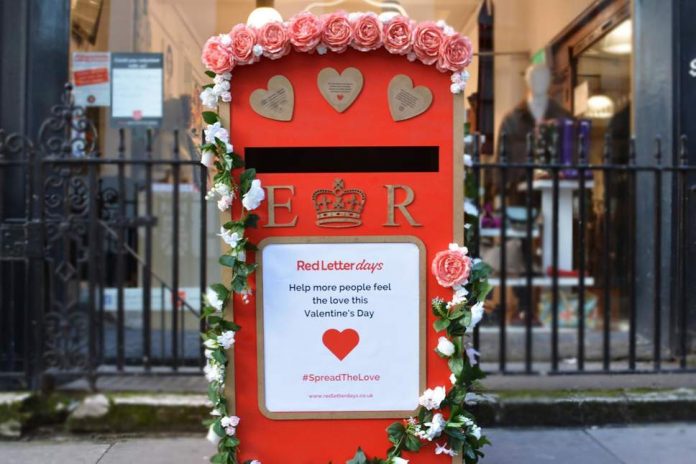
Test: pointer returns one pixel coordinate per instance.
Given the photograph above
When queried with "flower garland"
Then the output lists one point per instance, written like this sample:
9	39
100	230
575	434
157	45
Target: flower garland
430	43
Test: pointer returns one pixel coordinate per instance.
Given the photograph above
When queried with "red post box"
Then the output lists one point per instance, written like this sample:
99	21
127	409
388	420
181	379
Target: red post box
361	159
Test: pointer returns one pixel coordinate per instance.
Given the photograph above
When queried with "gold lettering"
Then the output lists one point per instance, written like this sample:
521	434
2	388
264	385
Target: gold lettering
392	206
272	205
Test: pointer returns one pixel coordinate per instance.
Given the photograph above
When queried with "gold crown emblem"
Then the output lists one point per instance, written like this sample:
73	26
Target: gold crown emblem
339	207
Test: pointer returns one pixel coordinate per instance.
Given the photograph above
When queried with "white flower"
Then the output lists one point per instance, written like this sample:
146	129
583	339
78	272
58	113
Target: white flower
435	427
257	50
225	203
226	97
216	131
432	398
208	158
221	86
476	432
470	208
398	460
411	56
222	189
253	198
454	88
443	449
468	161
453	378
213	299
225	39
222	77
230	431
208	355
208	98
471	353
213	372
213	437
454	247
476	315
229	237
229	421
459	297
211	344
445	347
322	49
226	339
255	461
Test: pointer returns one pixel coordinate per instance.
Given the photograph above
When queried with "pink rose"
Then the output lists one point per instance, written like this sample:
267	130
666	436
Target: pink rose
217	56
367	32
427	40
398	35
455	53
305	31
243	40
337	32
451	267
274	39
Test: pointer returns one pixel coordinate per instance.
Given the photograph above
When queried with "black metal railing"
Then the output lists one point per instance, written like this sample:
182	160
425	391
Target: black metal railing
93	254
82	248
624	249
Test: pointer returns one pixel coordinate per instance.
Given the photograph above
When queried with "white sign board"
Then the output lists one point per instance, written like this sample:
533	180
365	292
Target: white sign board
90	78
341	327
137	89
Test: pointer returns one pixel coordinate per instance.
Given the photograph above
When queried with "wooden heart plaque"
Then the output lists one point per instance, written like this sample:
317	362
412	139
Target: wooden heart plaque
340	90
406	101
277	102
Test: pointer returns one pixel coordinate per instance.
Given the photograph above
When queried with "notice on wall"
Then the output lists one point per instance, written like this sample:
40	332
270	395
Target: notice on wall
90	78
341	327
137	89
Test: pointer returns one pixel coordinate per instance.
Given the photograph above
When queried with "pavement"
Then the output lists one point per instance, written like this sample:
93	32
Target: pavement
673	443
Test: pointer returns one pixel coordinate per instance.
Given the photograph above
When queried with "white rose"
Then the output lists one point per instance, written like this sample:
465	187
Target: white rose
208	158
226	97
211	296
432	398
253	198
226	339
398	460
445	347
213	372
257	50
476	432
211	343
229	237
435	427
222	77
476	315
225	203
216	131
222	86
208	98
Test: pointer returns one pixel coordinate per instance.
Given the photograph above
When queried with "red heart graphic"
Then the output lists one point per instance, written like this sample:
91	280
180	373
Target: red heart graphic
340	343
339	96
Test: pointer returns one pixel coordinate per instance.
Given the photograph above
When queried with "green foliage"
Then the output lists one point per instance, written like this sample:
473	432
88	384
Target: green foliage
210	117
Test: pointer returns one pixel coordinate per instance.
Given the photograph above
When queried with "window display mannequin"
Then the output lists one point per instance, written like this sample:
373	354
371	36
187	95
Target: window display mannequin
536	108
